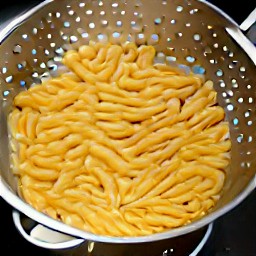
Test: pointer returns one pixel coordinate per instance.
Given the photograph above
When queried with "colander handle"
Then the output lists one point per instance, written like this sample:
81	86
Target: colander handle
249	21
239	14
249	26
246	20
244	34
42	236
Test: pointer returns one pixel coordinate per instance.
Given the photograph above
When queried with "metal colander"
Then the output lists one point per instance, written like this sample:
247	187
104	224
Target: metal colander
194	35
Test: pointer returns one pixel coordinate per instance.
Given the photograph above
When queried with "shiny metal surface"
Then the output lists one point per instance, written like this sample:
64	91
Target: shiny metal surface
191	33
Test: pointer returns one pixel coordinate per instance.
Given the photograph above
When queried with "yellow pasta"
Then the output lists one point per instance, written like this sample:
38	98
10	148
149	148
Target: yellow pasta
120	145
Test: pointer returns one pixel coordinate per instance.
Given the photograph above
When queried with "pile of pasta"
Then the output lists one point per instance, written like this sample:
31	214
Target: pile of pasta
120	145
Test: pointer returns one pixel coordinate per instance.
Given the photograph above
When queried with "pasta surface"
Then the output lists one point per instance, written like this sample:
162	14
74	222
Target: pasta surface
120	145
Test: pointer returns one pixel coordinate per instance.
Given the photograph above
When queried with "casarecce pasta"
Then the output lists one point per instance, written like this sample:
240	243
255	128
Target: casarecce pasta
120	145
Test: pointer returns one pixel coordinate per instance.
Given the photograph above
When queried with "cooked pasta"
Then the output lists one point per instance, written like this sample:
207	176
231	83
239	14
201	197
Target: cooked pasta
120	145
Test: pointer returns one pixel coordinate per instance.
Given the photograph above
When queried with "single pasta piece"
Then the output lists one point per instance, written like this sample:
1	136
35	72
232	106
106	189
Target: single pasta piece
120	145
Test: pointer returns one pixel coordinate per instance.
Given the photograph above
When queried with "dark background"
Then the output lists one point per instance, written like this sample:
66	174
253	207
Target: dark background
234	234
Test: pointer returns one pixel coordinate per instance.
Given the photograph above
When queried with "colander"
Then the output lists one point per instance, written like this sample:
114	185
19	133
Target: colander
194	35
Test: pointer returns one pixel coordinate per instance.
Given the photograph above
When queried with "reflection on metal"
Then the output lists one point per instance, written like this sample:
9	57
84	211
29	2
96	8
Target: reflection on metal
168	252
90	246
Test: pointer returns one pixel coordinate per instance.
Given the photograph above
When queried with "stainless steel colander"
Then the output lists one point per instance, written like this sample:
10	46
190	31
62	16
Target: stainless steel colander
193	34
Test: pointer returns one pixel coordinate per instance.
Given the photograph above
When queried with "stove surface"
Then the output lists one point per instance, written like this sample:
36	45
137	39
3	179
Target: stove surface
232	235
